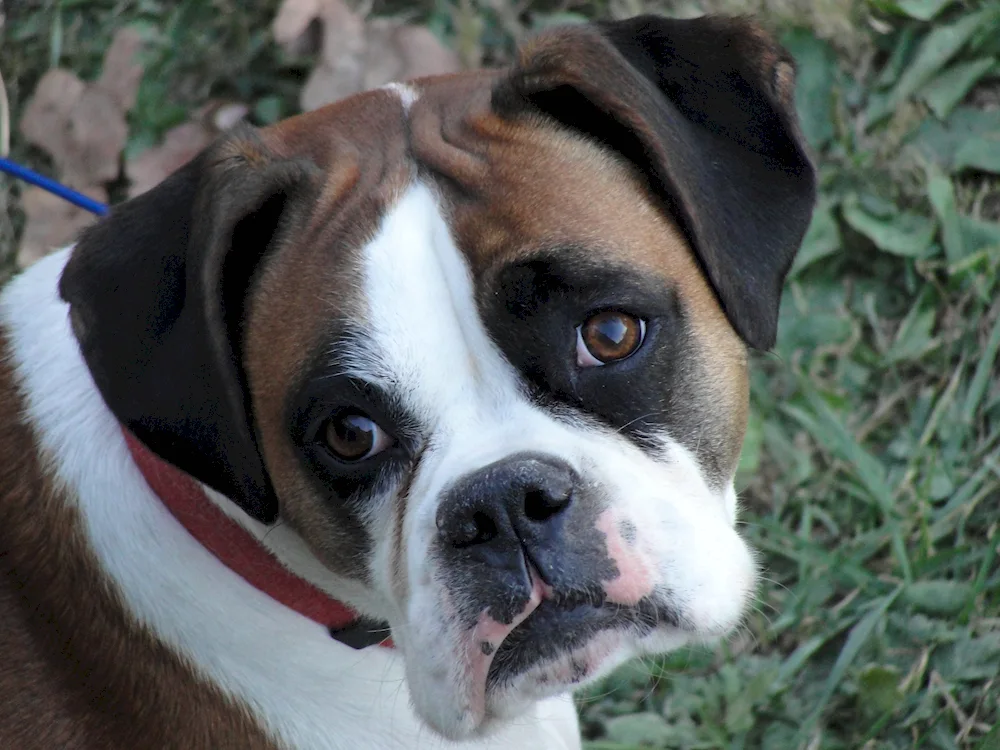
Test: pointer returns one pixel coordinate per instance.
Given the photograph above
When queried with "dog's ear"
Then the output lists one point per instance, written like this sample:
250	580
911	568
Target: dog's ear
156	293
704	109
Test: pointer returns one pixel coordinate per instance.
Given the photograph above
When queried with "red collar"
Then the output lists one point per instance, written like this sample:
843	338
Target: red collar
242	553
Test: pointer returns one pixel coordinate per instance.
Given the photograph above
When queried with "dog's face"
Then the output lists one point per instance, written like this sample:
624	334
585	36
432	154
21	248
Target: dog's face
520	417
481	341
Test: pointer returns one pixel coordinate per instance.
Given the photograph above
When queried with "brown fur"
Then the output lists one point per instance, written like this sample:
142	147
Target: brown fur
76	670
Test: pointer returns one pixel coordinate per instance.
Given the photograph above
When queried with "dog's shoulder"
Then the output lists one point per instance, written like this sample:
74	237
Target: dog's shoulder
76	669
36	710
32	714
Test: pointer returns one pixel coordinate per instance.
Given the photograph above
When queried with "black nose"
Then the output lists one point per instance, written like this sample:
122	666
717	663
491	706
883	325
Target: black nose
515	502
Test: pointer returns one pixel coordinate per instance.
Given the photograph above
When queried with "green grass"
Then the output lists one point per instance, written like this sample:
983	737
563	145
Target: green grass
871	475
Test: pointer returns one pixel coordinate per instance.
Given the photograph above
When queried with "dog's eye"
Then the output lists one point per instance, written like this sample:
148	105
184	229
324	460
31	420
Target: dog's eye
608	337
351	436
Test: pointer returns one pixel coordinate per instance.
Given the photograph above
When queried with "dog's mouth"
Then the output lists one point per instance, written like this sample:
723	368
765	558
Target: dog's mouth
555	630
503	657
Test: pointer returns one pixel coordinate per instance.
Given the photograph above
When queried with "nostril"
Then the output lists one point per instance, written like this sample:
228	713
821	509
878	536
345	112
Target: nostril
541	505
478	528
486	528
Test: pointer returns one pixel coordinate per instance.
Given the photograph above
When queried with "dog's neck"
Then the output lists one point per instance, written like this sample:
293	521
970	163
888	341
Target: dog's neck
299	681
246	555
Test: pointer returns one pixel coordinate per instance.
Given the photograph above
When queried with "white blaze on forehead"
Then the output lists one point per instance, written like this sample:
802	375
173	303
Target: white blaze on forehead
425	340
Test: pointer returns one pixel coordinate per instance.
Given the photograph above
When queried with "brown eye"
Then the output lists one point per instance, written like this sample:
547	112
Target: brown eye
352	436
608	337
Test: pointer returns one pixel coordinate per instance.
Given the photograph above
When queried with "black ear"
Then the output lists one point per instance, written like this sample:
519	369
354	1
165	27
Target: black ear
704	108
156	293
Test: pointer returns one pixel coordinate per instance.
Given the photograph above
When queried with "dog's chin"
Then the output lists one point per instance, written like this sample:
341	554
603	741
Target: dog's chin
521	677
553	651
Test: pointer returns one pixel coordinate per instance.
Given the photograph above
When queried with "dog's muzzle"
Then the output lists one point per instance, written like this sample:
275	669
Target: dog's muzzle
518	542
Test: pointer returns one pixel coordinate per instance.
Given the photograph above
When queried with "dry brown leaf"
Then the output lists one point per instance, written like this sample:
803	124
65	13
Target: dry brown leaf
423	54
86	141
355	55
98	132
51	222
152	166
397	52
291	26
45	122
122	72
340	69
82	127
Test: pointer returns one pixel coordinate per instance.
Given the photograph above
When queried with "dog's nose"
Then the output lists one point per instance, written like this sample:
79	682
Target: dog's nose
495	511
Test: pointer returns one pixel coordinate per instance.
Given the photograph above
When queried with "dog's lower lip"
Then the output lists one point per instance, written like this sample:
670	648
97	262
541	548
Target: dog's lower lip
553	630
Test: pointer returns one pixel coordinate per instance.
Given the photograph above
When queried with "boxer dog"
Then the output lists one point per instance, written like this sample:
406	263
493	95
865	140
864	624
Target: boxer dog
460	363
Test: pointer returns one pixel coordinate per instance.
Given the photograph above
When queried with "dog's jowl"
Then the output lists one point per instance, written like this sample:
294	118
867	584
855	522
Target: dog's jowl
461	361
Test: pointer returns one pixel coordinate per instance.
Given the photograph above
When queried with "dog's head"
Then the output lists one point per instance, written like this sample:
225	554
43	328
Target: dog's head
481	341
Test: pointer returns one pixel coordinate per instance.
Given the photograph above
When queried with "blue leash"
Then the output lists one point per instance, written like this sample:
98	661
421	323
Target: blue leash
56	188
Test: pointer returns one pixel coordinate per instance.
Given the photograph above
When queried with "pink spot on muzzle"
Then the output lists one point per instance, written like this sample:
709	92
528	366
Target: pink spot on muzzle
635	580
